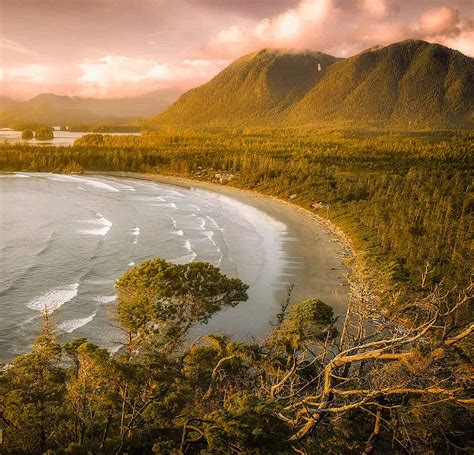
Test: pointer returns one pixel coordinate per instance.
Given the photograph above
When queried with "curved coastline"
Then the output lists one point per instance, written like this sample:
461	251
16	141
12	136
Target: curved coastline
324	246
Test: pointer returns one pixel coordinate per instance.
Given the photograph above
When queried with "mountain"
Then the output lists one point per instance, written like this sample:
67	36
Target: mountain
255	89
64	110
408	84
412	83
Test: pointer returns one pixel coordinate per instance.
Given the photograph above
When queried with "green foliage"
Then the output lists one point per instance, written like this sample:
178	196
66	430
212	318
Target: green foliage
168	298
411	84
44	134
307	322
27	134
216	395
254	90
247	423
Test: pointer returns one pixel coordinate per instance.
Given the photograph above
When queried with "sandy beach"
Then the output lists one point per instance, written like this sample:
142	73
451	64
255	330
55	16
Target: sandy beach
323	247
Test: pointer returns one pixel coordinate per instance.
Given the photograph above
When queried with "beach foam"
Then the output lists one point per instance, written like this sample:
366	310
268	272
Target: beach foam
55	298
14	175
90	182
101	221
105	298
74	324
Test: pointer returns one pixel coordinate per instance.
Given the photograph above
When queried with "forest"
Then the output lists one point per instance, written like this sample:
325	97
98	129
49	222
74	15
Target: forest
394	376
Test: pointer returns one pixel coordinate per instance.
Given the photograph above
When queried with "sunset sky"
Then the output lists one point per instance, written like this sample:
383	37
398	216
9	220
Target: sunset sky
115	48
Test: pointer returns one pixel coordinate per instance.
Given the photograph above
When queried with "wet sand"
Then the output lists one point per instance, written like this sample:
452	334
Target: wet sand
324	248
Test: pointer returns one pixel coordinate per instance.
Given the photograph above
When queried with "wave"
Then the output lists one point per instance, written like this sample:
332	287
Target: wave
55	298
178	232
98	281
14	175
189	208
103	230
105	298
184	259
187	245
131	264
135	231
122	186
149	199
90	182
213	221
74	324
163	204
135	241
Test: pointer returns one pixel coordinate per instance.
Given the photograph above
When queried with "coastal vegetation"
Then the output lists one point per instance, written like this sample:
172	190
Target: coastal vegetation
44	134
305	388
27	134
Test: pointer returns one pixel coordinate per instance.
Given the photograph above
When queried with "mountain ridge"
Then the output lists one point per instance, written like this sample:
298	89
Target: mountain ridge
412	83
51	108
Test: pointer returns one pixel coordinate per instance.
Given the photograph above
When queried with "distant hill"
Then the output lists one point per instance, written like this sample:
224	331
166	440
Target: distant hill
255	89
410	84
52	109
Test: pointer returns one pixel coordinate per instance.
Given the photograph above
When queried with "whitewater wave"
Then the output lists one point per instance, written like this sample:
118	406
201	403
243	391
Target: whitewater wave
149	199
189	208
105	298
171	205
14	175
74	324
98	281
185	259
101	221
131	264
135	231
135	242
55	298
122	186
213	221
178	232
93	183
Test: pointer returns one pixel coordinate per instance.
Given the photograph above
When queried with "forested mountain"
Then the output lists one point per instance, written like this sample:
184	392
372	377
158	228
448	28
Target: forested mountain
256	89
408	84
52	109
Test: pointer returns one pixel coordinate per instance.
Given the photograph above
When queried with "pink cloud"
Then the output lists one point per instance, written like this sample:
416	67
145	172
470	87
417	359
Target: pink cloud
442	21
118	75
377	8
296	27
342	28
140	46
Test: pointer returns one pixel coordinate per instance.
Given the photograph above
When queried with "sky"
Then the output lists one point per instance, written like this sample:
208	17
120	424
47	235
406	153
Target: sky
122	48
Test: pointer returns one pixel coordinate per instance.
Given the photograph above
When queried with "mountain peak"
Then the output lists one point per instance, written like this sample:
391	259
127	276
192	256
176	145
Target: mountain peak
412	83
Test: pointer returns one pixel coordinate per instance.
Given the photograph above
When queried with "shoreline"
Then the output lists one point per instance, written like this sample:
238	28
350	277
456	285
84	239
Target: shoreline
324	247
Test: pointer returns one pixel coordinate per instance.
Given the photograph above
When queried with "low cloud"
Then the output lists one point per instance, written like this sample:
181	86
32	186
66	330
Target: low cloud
442	21
125	76
343	27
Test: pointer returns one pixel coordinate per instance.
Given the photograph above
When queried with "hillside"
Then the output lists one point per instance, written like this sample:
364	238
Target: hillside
256	89
410	84
59	110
